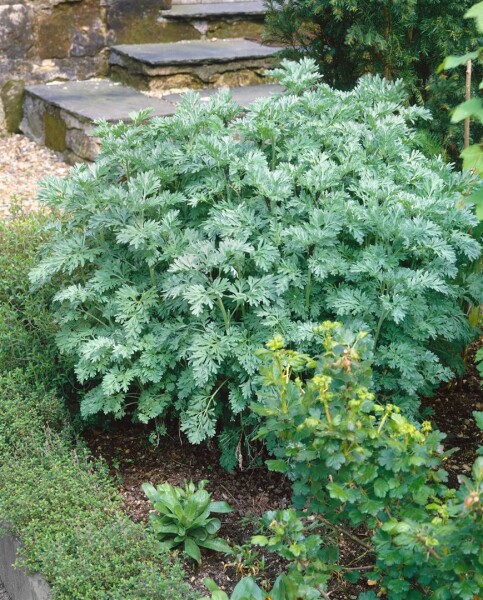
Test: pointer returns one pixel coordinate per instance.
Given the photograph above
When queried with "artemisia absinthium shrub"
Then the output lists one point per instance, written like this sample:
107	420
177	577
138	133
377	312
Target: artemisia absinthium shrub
193	239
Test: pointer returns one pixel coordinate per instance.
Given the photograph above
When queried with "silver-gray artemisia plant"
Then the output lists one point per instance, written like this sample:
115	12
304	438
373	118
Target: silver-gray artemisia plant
194	239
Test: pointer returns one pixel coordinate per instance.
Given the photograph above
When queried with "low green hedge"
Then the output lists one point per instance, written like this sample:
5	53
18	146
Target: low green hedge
57	499
66	510
27	327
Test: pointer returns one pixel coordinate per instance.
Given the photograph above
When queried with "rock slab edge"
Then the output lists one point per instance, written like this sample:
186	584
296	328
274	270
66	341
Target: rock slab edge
19	585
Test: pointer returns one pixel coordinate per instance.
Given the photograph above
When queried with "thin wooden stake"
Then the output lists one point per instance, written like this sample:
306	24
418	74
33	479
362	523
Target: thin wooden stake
468	97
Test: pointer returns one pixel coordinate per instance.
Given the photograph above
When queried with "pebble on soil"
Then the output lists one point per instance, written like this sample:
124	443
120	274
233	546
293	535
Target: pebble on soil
23	164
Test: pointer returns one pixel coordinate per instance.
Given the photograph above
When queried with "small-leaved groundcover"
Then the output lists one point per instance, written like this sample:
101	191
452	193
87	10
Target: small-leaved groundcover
193	239
65	509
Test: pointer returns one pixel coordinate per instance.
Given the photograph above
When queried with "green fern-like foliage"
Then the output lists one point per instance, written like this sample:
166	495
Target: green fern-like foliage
193	239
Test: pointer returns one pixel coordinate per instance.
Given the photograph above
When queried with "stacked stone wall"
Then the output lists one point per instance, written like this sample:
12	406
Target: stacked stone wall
44	41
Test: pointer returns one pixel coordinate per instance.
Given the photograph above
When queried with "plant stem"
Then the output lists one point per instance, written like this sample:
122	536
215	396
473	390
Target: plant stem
382	318
307	291
347	533
151	274
222	308
468	97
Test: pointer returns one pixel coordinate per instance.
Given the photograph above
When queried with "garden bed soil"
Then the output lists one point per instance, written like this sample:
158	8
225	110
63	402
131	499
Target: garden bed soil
133	460
452	412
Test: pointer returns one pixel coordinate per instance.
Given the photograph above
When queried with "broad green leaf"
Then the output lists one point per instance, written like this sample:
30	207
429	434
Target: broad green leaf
284	589
335	461
192	550
220	507
160	528
279	466
247	589
338	492
259	540
352	576
213	526
200	533
210	584
218	545
197	504
478	469
478	415
476	12
470	108
476	198
381	487
151	492
473	158
201	519
450	62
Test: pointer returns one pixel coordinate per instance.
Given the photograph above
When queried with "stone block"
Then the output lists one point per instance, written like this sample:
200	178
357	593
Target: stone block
206	63
81	144
136	22
32	124
251	30
12	96
15	30
19	585
71	29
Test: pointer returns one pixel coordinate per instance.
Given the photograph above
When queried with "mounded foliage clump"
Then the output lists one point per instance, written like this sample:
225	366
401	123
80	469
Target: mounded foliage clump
193	239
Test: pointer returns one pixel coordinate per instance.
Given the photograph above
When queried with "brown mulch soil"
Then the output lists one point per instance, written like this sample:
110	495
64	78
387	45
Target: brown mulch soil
23	164
452	412
133	460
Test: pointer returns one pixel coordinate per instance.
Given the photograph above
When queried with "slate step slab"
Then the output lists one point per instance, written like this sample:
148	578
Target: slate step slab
62	116
191	64
215	20
214	10
243	96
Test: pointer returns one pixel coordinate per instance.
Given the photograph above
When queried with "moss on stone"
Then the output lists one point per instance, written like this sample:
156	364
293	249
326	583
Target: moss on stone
55	130
12	96
235	29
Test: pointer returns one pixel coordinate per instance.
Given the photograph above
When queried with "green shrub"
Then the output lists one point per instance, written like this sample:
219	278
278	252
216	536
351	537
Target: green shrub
396	39
27	328
357	463
27	413
192	239
66	511
183	517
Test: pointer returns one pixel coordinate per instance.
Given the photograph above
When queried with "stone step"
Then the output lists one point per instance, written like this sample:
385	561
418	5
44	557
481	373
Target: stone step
191	64
216	20
216	10
243	96
61	116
